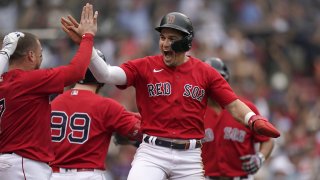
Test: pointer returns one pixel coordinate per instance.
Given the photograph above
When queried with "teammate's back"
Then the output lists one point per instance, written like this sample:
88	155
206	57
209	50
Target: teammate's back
25	108
82	125
25	134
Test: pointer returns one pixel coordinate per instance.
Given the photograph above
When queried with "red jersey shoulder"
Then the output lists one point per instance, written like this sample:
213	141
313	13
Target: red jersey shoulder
142	61
97	106
140	69
205	68
41	81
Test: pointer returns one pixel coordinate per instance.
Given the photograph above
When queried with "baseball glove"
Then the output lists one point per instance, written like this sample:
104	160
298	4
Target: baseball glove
122	140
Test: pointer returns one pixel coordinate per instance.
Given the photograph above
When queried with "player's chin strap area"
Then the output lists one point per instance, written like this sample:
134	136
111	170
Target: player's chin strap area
179	144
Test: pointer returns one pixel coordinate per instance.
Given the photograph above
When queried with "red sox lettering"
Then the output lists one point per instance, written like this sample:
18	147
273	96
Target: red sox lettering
165	89
234	134
230	133
159	89
195	92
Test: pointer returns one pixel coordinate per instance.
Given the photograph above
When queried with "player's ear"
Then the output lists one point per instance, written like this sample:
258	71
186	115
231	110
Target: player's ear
31	56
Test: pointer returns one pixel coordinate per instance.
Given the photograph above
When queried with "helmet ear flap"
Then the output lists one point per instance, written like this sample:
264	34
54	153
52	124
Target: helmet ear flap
183	44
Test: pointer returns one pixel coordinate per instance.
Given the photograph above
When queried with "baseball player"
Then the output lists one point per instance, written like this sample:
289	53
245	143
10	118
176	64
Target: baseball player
82	124
25	138
172	92
228	150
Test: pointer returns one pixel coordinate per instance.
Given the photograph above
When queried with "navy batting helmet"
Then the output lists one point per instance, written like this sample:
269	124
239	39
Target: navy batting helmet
182	23
89	78
219	65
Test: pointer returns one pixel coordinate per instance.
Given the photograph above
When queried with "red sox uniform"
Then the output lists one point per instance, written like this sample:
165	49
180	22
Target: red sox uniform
25	138
172	102
82	124
228	140
172	90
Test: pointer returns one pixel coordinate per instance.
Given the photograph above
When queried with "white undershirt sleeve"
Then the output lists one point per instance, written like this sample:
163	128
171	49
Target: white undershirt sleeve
105	73
3	63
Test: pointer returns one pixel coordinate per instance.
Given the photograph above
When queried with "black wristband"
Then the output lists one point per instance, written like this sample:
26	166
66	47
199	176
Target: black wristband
4	52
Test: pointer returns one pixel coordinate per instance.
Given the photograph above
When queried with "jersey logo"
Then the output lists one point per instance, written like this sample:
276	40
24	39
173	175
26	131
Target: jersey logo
165	89
209	136
195	92
159	89
234	134
170	19
74	92
157	70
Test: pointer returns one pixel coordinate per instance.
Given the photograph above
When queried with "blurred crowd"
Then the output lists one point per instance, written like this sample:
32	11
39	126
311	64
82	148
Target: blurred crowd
271	47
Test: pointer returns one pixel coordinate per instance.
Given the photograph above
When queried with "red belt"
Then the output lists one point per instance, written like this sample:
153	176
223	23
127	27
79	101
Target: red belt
57	169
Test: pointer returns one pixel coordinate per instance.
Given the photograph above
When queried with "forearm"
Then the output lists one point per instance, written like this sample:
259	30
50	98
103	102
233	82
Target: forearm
266	148
105	73
76	70
3	63
239	110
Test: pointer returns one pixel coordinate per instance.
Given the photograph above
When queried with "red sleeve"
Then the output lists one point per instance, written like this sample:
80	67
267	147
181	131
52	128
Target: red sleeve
122	121
130	68
220	89
76	69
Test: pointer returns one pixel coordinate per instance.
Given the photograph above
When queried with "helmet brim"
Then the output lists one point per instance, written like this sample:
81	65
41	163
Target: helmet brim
172	26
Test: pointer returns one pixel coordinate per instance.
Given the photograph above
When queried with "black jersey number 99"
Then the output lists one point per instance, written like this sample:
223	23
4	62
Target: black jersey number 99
79	124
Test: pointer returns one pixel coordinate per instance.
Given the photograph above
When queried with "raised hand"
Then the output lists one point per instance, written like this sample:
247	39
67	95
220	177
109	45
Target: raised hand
10	42
66	25
252	162
88	22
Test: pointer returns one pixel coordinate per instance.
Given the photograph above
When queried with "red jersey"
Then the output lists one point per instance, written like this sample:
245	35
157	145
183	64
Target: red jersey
25	109
172	100
230	140
82	124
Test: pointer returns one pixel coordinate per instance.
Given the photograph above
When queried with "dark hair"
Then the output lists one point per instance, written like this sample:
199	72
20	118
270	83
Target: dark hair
25	44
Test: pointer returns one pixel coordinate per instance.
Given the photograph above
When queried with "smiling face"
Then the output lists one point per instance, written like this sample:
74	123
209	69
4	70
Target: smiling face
167	37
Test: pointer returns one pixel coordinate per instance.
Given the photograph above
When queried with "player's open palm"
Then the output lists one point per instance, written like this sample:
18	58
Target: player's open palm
67	24
88	22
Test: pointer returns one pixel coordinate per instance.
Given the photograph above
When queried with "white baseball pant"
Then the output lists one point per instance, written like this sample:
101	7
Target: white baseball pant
72	174
161	163
15	167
